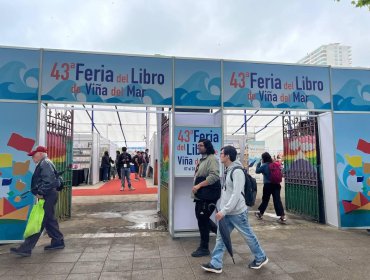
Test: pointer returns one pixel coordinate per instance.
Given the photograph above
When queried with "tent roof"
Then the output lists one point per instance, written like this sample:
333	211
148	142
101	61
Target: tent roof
122	128
129	127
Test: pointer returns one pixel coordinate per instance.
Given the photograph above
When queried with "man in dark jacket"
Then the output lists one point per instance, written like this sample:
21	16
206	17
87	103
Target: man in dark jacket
206	192
43	186
118	164
125	159
146	160
105	165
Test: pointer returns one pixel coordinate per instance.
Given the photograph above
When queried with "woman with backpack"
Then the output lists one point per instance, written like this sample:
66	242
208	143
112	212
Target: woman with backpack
272	177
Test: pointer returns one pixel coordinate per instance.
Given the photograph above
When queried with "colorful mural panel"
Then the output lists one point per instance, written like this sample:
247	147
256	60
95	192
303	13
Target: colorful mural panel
352	143
18	134
165	154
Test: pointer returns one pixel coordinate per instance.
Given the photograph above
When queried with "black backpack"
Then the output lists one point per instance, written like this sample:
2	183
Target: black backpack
60	182
250	187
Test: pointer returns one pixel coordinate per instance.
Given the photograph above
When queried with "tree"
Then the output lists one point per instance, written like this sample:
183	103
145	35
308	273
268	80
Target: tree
361	3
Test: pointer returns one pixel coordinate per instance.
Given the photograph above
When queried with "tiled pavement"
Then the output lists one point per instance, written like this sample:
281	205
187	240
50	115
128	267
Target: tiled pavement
299	250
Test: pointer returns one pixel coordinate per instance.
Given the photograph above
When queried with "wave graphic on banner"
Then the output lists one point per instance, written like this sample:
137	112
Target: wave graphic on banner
350	97
16	82
62	92
239	100
151	97
198	91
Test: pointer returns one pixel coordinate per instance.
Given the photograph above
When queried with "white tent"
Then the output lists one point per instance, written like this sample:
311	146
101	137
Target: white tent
131	126
125	126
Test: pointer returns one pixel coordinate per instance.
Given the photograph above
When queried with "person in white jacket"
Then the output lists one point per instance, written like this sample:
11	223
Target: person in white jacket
234	210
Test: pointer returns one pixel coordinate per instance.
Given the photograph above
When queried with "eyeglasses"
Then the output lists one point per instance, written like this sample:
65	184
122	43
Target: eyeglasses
200	145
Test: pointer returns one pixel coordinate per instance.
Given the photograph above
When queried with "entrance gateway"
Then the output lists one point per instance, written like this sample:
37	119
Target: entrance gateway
338	96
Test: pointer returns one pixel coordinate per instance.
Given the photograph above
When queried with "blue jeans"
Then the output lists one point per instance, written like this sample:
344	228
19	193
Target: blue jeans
240	222
145	167
125	173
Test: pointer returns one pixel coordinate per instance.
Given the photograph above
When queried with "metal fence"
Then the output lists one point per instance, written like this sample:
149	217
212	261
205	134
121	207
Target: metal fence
59	143
303	188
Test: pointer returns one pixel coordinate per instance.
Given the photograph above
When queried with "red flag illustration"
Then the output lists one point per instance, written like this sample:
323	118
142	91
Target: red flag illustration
363	146
21	143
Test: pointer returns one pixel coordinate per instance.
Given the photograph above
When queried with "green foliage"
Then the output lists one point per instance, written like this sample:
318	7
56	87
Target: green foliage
361	3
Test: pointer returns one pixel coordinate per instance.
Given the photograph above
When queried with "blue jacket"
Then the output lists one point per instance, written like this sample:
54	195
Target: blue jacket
43	178
264	169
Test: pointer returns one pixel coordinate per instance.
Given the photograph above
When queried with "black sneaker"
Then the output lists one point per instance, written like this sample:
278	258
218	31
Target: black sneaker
55	245
200	252
258	215
282	220
210	268
18	252
258	264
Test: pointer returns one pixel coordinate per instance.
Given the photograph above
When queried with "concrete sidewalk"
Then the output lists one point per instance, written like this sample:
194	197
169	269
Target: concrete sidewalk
298	250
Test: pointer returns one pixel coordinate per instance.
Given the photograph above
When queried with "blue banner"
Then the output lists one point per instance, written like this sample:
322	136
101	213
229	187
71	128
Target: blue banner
352	143
351	89
257	85
186	149
18	136
197	83
19	74
100	78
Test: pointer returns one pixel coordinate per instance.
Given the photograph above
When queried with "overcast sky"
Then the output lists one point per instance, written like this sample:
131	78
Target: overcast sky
257	30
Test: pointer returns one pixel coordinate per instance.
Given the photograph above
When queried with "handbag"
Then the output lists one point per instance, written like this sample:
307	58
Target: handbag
35	219
210	193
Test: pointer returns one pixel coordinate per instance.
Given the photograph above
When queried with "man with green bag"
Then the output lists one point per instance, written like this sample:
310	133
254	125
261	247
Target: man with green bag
43	185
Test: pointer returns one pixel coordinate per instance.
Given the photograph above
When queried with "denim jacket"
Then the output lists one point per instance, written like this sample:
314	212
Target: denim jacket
264	169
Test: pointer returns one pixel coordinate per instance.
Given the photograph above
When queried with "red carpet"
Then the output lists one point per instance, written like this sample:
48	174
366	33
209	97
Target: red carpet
113	187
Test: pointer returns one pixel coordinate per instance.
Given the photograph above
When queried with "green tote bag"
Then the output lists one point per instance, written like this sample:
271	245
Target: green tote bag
35	220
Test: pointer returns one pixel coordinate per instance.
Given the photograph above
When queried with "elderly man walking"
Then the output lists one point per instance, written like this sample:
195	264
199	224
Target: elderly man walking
43	186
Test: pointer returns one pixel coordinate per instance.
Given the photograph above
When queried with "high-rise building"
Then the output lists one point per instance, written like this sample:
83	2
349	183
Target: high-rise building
332	54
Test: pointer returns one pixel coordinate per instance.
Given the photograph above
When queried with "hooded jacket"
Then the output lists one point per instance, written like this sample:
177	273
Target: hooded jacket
232	200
